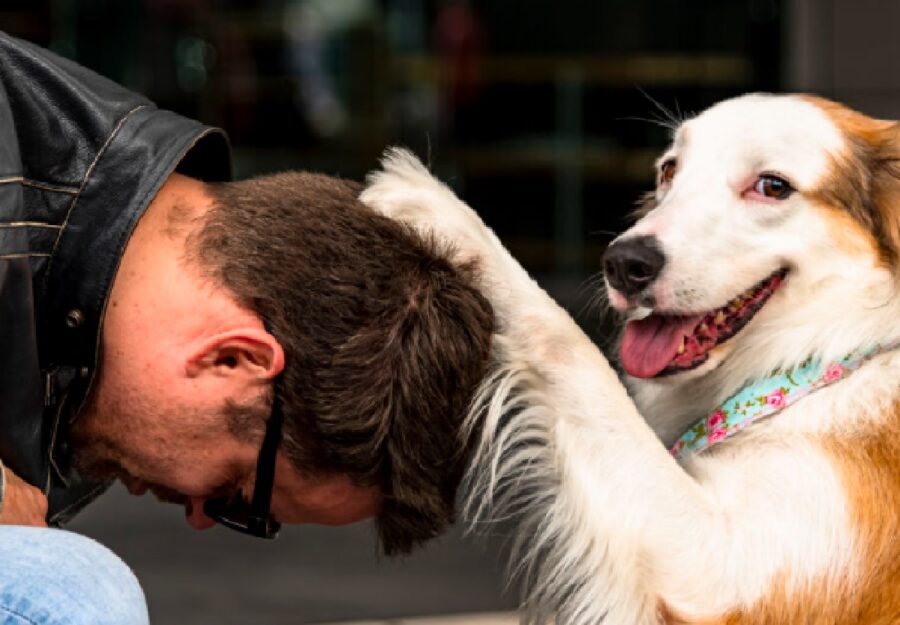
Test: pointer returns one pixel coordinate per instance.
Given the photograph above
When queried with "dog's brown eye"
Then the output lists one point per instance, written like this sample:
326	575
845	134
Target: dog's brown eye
773	187
667	171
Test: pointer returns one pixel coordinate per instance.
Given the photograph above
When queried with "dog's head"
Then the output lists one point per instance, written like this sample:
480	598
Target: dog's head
773	235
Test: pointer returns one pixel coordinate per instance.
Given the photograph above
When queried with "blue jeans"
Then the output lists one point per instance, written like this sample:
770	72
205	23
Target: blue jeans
55	577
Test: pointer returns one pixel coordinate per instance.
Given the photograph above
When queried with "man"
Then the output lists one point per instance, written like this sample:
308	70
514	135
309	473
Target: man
262	351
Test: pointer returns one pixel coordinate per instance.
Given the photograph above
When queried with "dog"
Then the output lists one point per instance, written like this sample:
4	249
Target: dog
747	471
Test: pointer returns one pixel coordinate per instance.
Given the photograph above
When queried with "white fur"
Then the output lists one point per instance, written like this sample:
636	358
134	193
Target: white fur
609	524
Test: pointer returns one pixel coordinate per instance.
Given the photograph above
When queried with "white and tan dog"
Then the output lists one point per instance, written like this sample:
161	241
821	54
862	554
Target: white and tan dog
769	251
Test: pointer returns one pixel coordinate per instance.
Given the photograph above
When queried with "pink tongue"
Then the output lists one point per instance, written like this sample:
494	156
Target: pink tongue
650	344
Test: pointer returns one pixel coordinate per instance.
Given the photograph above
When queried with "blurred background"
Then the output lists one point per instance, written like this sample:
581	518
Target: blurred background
544	115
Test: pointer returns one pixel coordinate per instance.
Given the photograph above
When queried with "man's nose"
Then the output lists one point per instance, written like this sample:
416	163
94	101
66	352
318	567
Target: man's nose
631	265
194	514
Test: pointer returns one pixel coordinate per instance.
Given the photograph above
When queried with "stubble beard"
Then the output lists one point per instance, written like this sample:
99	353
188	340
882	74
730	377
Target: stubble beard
97	456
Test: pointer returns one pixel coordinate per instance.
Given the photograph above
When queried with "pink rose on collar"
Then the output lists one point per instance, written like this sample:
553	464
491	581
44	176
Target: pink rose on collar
776	398
715	420
715	436
835	371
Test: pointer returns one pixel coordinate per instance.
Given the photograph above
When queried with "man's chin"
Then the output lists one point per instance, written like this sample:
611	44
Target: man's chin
139	487
104	470
96	469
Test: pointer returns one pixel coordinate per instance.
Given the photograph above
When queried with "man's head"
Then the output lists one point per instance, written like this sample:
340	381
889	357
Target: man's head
379	339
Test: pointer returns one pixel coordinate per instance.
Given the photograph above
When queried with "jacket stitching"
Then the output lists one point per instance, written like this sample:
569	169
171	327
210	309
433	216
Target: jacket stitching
28	224
87	176
24	255
46	186
61	405
93	494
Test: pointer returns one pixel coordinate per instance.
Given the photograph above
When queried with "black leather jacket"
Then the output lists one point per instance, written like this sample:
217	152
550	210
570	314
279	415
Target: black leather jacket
80	159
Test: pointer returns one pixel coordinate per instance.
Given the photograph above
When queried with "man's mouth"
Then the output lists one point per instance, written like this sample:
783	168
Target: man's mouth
662	344
139	487
193	506
135	486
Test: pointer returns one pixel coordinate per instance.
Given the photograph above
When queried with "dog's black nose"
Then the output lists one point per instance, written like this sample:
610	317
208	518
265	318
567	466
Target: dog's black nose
631	265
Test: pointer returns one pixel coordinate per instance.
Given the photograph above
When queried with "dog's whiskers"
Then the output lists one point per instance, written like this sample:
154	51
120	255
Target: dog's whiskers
598	299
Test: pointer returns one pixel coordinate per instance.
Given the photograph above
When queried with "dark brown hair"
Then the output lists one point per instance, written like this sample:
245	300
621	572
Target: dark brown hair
385	339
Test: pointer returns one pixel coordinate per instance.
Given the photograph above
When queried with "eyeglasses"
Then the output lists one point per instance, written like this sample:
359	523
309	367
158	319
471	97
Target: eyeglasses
254	518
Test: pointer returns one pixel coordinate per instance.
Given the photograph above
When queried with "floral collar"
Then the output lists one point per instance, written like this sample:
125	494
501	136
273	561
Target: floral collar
769	396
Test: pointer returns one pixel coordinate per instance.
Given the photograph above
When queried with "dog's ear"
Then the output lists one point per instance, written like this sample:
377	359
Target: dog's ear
866	180
885	191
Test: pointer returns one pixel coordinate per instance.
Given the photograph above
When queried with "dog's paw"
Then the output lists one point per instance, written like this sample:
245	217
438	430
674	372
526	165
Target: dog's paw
406	191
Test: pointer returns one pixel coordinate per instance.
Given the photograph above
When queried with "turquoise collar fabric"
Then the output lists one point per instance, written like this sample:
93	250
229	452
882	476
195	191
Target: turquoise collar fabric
767	397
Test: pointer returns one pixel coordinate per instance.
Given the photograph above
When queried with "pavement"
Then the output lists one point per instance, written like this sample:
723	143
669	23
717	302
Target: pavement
499	618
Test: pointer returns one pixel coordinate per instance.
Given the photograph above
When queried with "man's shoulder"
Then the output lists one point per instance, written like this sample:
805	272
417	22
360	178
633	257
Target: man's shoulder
59	109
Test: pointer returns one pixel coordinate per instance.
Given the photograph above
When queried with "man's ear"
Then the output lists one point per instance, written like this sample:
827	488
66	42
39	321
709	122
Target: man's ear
248	352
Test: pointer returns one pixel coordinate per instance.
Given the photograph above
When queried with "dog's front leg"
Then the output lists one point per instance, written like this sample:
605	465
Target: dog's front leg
611	528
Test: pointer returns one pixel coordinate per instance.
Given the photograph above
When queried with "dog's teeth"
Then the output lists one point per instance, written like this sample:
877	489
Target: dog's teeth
681	346
736	304
704	328
720	318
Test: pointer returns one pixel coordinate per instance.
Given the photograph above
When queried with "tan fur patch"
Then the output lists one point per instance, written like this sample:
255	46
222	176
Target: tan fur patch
848	233
870	467
865	182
